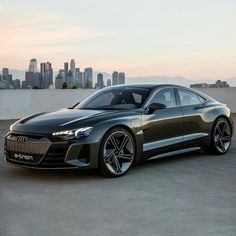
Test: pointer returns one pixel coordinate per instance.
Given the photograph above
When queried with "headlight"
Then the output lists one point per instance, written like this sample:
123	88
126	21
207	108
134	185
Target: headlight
73	134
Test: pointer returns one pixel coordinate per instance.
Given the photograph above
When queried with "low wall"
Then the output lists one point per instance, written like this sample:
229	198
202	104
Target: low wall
15	104
224	95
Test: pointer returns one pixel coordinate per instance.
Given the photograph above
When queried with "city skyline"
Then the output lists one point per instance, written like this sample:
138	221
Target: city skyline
68	77
193	39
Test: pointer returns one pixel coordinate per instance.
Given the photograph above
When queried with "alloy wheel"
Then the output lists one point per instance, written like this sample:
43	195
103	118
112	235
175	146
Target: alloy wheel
118	152
222	136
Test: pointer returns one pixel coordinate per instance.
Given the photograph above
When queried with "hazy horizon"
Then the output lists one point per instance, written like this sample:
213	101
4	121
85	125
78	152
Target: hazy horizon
193	39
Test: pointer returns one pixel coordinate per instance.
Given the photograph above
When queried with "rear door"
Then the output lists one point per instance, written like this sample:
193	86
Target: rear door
191	105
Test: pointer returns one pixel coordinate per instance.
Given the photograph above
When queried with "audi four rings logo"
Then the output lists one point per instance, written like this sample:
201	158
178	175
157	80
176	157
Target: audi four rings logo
22	139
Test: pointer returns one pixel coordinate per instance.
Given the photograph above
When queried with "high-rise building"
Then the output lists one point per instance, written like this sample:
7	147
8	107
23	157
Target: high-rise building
77	73
46	72
115	78
70	81
78	78
59	81
5	73
72	68
108	82
32	80
66	71
88	78
121	78
33	65
16	84
100	82
61	72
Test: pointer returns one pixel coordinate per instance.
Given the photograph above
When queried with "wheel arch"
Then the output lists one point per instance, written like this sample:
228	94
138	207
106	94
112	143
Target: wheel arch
138	139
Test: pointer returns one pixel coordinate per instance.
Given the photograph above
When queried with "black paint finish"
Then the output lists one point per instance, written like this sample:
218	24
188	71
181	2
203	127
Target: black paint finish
164	130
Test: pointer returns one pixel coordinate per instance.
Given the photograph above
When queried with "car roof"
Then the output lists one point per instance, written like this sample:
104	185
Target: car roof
154	86
145	85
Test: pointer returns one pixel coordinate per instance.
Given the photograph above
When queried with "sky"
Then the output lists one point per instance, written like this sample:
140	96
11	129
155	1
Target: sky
195	39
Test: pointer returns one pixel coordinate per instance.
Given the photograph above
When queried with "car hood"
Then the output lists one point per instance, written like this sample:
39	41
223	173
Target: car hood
57	120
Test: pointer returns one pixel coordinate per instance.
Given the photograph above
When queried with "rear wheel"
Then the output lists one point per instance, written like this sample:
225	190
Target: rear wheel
117	153
220	137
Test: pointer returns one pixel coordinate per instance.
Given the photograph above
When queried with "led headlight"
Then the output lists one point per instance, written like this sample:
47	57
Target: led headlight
73	134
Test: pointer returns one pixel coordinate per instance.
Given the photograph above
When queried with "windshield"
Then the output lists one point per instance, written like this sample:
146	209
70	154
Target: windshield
117	98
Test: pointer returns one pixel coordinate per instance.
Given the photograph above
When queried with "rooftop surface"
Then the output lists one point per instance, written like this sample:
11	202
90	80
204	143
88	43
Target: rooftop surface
190	194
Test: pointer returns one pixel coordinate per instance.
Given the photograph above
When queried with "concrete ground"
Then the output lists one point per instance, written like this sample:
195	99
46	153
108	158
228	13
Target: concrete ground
187	195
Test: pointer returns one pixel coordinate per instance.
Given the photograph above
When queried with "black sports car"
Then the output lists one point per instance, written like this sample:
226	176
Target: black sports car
118	126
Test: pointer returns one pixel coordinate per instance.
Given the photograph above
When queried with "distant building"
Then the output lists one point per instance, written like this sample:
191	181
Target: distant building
5	73
100	82
201	86
78	78
4	84
121	78
108	82
32	80
70	80
66	71
72	68
33	65
46	72
115	75
217	84
221	84
16	84
59	81
88	78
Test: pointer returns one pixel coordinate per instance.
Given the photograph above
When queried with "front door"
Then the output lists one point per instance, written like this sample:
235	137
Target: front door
163	129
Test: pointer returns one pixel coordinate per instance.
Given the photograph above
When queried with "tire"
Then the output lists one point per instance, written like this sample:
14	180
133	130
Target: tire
221	136
117	153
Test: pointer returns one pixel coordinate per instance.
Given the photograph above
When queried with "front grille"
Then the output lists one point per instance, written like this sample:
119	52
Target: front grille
28	147
38	151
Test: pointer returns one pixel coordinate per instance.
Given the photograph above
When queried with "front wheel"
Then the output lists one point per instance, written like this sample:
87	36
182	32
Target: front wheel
220	137
117	153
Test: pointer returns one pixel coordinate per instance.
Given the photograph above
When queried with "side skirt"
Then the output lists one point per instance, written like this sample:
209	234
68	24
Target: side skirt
167	154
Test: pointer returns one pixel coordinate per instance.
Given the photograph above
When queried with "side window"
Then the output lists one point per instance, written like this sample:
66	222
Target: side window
137	98
188	98
202	100
165	96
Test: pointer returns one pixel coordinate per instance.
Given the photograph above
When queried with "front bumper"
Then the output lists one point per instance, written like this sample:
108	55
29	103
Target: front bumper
35	151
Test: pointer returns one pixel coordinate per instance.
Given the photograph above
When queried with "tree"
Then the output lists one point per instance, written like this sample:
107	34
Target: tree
64	85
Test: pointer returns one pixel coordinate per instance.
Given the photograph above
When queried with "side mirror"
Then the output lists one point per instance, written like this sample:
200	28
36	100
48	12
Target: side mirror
156	106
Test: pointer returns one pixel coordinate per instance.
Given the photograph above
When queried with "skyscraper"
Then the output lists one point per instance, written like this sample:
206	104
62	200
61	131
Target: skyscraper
115	78
66	71
88	78
121	78
33	65
78	78
72	68
108	82
100	83
32	80
46	72
5	73
59	81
